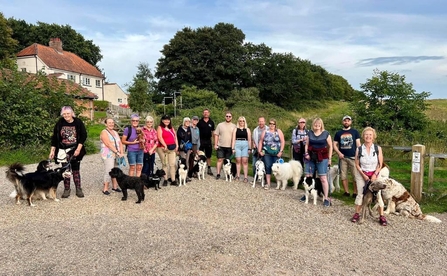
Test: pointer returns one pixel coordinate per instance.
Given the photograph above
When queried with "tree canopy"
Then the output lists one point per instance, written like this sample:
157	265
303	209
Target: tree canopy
389	103
142	89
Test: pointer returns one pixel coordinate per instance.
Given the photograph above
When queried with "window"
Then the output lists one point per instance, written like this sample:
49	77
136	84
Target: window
23	70
98	83
86	81
120	100
71	77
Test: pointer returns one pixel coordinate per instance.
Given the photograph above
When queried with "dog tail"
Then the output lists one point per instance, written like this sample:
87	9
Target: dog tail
430	218
15	172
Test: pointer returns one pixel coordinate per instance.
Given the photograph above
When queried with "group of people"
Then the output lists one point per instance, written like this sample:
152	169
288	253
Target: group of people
313	148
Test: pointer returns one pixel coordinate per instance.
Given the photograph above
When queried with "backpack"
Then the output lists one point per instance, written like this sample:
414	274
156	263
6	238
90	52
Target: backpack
299	147
129	132
376	149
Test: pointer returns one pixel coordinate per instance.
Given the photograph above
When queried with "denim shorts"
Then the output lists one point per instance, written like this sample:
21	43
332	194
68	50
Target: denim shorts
135	157
241	148
309	167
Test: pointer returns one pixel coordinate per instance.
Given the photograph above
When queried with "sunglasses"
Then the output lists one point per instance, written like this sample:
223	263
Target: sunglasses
272	124
228	116
302	122
135	120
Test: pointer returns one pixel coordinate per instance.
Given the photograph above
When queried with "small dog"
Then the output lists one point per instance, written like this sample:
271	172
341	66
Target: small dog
311	187
285	171
260	173
180	161
183	172
27	184
400	202
372	193
229	169
140	138
154	179
202	167
128	182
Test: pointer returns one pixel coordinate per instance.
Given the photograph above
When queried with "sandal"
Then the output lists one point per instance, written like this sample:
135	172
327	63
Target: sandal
245	180
266	186
237	178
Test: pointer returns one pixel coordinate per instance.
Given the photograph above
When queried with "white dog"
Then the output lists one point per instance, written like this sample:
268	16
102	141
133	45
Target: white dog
260	173
400	201
334	178
182	173
310	189
202	169
285	171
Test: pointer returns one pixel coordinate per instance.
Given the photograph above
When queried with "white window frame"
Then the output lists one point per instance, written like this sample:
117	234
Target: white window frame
86	81
98	83
71	77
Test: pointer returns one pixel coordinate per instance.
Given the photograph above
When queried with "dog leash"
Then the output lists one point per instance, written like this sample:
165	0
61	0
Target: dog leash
121	162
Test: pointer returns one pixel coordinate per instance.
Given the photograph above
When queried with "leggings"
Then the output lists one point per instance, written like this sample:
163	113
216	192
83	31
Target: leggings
168	160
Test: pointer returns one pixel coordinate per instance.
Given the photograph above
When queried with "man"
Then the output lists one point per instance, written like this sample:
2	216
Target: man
346	141
222	141
206	129
256	136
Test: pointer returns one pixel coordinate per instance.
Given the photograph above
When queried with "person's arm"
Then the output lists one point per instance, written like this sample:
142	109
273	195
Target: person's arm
282	142
261	141
306	147
233	139
330	150
160	137
294	137
215	134
379	165
249	140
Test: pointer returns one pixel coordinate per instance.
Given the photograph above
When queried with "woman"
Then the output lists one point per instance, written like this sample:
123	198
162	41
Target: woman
299	135
150	145
67	146
368	168
318	152
111	147
167	148
270	148
135	154
195	136
240	145
184	140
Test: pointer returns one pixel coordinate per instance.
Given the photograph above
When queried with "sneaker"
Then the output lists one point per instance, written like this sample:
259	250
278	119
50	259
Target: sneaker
355	217
79	192
174	183
347	194
217	177
118	190
210	172
326	203
106	192
382	220
165	183
303	199
66	193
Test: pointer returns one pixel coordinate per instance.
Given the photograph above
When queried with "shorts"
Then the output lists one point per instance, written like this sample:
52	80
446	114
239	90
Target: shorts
322	167
207	149
224	153
345	164
135	157
268	162
241	148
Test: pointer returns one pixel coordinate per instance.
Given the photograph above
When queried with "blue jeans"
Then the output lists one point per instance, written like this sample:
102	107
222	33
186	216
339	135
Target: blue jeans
310	166
135	157
268	162
148	164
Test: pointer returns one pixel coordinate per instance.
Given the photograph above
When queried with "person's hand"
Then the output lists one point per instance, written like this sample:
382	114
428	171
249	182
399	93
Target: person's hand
279	154
77	152
216	147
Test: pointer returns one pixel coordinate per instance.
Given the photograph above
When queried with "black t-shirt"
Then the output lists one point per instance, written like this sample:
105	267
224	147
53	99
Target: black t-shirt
206	129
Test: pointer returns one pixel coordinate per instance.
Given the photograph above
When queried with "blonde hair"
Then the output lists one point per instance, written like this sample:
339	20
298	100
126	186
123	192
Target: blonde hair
186	119
149	119
370	129
245	121
320	121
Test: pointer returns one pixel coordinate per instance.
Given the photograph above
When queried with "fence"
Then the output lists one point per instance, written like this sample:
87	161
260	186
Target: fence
117	111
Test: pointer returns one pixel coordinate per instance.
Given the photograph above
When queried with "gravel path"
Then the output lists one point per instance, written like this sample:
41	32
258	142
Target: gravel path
209	227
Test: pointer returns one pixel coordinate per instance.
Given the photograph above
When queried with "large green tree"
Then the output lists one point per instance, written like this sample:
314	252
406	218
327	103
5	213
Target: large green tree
7	43
389	103
207	58
142	89
27	34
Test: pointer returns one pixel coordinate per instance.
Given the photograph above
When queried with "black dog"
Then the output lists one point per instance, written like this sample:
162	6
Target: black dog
195	170
154	179
318	185
128	182
27	184
44	166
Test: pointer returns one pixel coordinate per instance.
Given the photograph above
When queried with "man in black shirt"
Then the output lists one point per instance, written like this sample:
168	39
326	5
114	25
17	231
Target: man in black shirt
206	127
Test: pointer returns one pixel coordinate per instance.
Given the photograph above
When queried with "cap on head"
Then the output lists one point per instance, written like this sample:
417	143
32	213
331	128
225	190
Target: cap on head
166	117
347	117
195	117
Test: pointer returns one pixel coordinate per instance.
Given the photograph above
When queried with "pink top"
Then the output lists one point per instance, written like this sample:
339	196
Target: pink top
168	136
150	137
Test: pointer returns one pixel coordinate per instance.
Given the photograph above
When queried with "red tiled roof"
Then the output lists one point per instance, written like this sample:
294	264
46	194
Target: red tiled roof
60	60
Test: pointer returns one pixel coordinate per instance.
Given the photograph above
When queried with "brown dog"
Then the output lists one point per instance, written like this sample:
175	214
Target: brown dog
373	191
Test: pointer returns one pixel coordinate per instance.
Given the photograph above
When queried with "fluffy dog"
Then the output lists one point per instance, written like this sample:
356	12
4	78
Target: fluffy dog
140	138
333	179
181	161
400	201
154	179
285	171
260	173
183	172
27	184
200	166
312	187
229	169
43	166
372	192
128	182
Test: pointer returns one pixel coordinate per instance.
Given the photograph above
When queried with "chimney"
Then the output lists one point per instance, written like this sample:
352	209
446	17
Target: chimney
56	44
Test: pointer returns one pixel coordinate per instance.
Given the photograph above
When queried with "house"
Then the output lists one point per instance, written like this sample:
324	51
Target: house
115	95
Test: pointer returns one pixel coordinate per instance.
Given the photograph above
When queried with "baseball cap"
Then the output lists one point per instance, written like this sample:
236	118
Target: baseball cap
195	117
346	117
166	117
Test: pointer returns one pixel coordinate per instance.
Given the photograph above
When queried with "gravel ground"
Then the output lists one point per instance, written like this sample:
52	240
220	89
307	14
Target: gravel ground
209	227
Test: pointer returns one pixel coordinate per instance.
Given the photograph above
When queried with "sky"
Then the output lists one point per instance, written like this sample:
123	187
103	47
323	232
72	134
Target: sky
350	38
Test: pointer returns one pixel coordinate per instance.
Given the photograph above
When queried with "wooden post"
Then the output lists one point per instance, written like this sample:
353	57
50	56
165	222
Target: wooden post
417	171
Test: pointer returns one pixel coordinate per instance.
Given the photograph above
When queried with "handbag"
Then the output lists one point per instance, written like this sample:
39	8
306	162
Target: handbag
171	147
271	151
